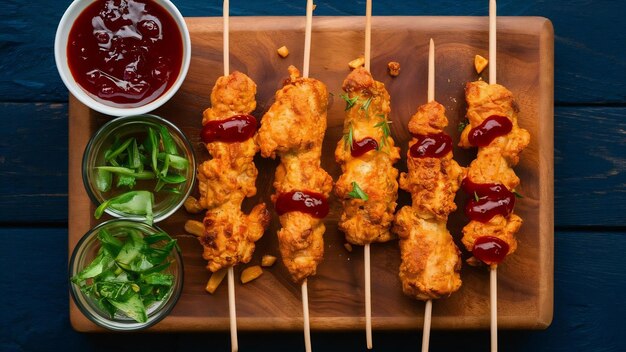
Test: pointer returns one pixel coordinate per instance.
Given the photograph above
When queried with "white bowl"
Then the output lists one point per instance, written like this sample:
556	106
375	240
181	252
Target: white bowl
110	108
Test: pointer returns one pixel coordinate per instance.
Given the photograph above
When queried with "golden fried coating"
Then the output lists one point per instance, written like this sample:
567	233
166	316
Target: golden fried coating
367	221
431	262
293	128
432	182
228	178
494	162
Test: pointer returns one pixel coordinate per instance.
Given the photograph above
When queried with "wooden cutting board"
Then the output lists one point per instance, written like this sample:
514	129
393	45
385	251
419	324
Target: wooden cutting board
272	302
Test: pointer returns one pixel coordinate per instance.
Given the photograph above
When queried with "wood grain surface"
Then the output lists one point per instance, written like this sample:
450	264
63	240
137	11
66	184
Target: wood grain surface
525	66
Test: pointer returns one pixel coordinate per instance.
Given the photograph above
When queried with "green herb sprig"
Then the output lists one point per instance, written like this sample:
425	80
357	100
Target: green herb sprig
384	127
463	124
349	101
357	192
348	137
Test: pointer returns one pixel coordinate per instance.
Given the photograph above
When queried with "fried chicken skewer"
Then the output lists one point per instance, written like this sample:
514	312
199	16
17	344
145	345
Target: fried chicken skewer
293	129
367	187
431	262
229	177
493	128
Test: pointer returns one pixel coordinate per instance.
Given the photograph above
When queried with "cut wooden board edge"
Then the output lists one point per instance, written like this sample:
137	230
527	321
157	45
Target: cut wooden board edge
545	309
546	215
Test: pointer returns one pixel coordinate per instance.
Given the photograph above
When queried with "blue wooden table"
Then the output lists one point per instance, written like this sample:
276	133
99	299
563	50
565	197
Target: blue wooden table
590	184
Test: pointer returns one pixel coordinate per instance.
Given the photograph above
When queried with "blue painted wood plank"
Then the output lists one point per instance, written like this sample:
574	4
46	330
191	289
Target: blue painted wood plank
33	163
590	55
589	280
590	164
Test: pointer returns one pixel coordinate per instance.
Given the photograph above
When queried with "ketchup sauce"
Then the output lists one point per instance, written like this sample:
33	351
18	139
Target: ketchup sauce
303	201
431	145
493	199
238	128
363	146
126	52
490	250
494	126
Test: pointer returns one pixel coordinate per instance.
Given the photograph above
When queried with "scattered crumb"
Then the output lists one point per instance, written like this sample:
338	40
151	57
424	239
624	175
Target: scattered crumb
448	80
394	68
358	62
283	51
472	261
268	260
480	63
215	280
250	273
348	246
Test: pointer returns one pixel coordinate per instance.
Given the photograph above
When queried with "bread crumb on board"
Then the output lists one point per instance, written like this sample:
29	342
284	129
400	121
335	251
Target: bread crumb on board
283	51
250	273
480	63
358	62
394	68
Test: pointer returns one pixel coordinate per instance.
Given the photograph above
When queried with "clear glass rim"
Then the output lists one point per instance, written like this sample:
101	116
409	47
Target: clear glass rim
82	302
104	131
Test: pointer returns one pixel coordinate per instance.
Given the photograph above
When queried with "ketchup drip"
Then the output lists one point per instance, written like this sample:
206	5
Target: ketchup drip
363	146
238	128
490	250
493	199
431	145
494	126
303	201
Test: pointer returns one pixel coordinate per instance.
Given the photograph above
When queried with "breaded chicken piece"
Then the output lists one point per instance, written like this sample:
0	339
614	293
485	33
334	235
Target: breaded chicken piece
431	262
228	178
293	129
494	162
366	221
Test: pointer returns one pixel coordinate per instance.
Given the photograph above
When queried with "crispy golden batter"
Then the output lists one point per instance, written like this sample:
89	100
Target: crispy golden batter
431	262
293	128
494	162
228	178
367	221
432	182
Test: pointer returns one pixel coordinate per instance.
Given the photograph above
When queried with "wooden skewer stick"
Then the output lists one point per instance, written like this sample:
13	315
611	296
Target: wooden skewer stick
234	344
368	297
493	273
226	38
368	33
428	309
307	38
232	310
305	310
493	300
431	71
366	248
305	74
492	41
428	313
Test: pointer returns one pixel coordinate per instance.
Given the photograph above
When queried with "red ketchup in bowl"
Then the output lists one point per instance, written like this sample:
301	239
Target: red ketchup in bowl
126	52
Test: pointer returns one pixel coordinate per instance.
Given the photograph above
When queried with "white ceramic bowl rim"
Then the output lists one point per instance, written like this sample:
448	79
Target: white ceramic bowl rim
60	56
